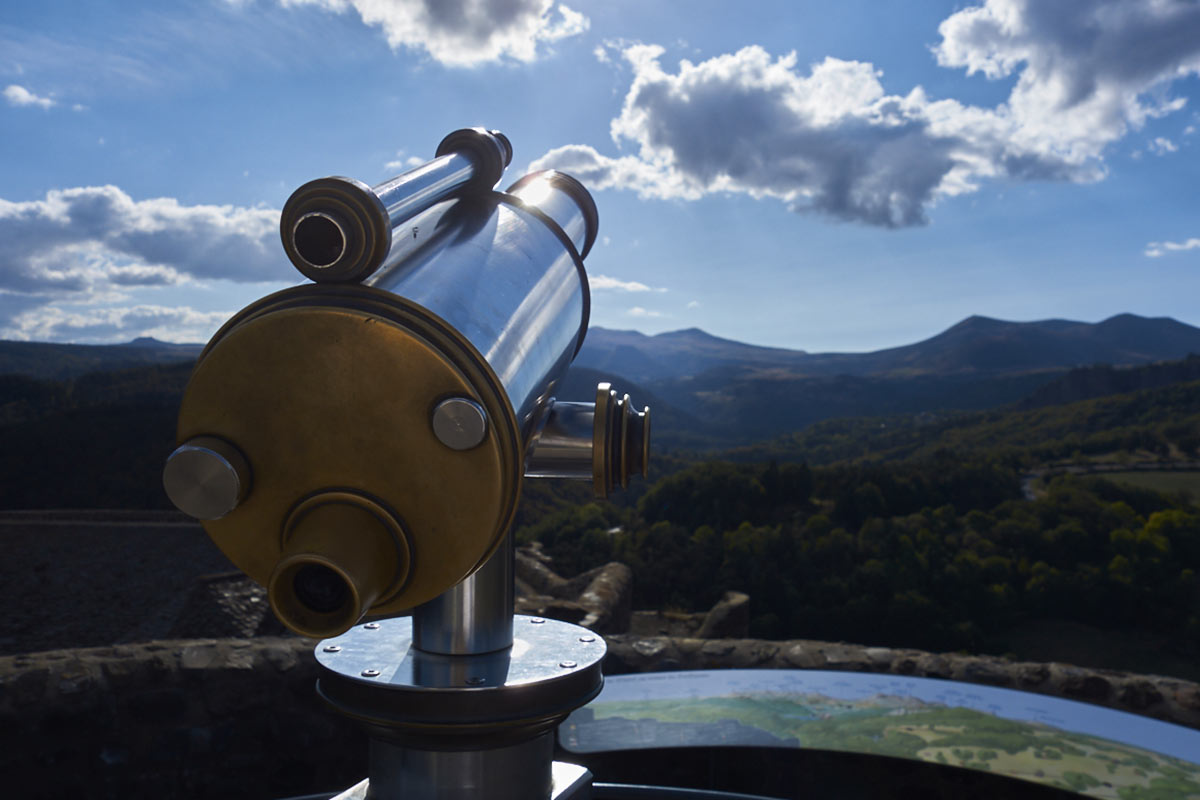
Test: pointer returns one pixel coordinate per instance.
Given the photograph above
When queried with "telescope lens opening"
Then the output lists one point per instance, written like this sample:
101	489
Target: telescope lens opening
320	589
319	240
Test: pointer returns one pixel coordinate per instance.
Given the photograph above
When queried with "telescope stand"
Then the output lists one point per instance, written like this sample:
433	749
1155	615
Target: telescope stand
462	700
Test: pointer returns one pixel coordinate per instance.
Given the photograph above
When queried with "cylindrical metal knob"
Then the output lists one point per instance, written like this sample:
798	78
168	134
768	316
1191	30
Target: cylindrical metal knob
206	477
459	423
606	442
563	448
622	441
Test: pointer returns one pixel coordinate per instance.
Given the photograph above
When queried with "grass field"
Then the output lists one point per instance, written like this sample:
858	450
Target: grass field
1159	480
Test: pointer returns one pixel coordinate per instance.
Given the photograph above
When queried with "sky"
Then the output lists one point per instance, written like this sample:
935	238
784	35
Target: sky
812	175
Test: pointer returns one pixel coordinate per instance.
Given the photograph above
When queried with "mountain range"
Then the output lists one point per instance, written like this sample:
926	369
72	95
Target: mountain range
977	345
716	392
710	392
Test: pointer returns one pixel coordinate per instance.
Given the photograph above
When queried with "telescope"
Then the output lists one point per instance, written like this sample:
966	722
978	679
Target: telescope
357	444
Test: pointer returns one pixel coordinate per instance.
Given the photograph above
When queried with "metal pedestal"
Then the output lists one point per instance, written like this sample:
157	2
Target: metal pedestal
453	727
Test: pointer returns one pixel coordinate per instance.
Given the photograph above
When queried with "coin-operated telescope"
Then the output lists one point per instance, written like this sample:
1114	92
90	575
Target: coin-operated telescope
357	445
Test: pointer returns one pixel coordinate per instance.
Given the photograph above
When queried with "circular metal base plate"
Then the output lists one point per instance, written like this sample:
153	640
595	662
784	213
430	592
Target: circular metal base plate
373	673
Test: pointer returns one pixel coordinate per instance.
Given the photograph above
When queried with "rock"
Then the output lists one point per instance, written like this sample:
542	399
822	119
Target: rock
1080	684
728	619
531	568
1139	695
980	670
1030	675
609	599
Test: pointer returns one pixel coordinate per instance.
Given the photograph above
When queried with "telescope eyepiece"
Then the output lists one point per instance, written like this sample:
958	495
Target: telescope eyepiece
320	589
342	554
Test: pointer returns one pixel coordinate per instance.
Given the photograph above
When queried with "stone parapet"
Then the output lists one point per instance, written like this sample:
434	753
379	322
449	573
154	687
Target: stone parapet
238	718
172	719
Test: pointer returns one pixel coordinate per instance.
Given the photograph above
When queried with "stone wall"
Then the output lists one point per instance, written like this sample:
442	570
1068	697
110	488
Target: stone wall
239	719
178	719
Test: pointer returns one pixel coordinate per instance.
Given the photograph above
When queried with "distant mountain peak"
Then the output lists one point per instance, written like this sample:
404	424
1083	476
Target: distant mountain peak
148	341
977	322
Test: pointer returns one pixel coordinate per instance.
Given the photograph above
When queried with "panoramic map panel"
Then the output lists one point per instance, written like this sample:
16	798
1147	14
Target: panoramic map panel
1091	750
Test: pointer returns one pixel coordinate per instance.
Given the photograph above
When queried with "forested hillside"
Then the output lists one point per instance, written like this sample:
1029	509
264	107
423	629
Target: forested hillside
919	530
942	554
947	531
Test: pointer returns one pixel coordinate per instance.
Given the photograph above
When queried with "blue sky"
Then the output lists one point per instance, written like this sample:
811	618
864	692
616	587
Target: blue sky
809	175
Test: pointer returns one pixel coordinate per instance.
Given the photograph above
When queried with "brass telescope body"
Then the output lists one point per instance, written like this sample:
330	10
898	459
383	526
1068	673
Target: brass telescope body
329	394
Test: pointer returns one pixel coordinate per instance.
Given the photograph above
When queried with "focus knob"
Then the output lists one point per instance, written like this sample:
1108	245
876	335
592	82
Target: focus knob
206	477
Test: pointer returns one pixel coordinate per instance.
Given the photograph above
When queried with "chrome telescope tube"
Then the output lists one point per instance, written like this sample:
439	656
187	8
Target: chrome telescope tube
508	277
339	230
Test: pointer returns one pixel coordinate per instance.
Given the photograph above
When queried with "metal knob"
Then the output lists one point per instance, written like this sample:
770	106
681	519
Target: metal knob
606	442
206	477
622	436
459	423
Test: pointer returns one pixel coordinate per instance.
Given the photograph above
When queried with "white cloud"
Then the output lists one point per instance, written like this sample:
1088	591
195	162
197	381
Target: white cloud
402	163
465	33
602	282
829	139
20	96
77	240
1086	72
53	323
693	304
638	311
1161	145
68	262
1158	249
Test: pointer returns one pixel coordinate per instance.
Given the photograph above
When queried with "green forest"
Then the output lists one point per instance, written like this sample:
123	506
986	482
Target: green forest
943	531
917	531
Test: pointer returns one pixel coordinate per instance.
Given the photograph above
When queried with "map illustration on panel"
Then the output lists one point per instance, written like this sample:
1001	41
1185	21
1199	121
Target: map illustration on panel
1087	749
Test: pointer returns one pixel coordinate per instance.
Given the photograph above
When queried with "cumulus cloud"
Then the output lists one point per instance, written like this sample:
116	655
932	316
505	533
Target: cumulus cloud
1158	249
1087	71
113	324
20	96
71	262
465	33
830	139
638	311
602	282
77	240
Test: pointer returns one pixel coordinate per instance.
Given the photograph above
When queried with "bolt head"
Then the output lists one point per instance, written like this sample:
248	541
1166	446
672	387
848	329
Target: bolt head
587	639
370	673
536	621
333	648
567	664
372	626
